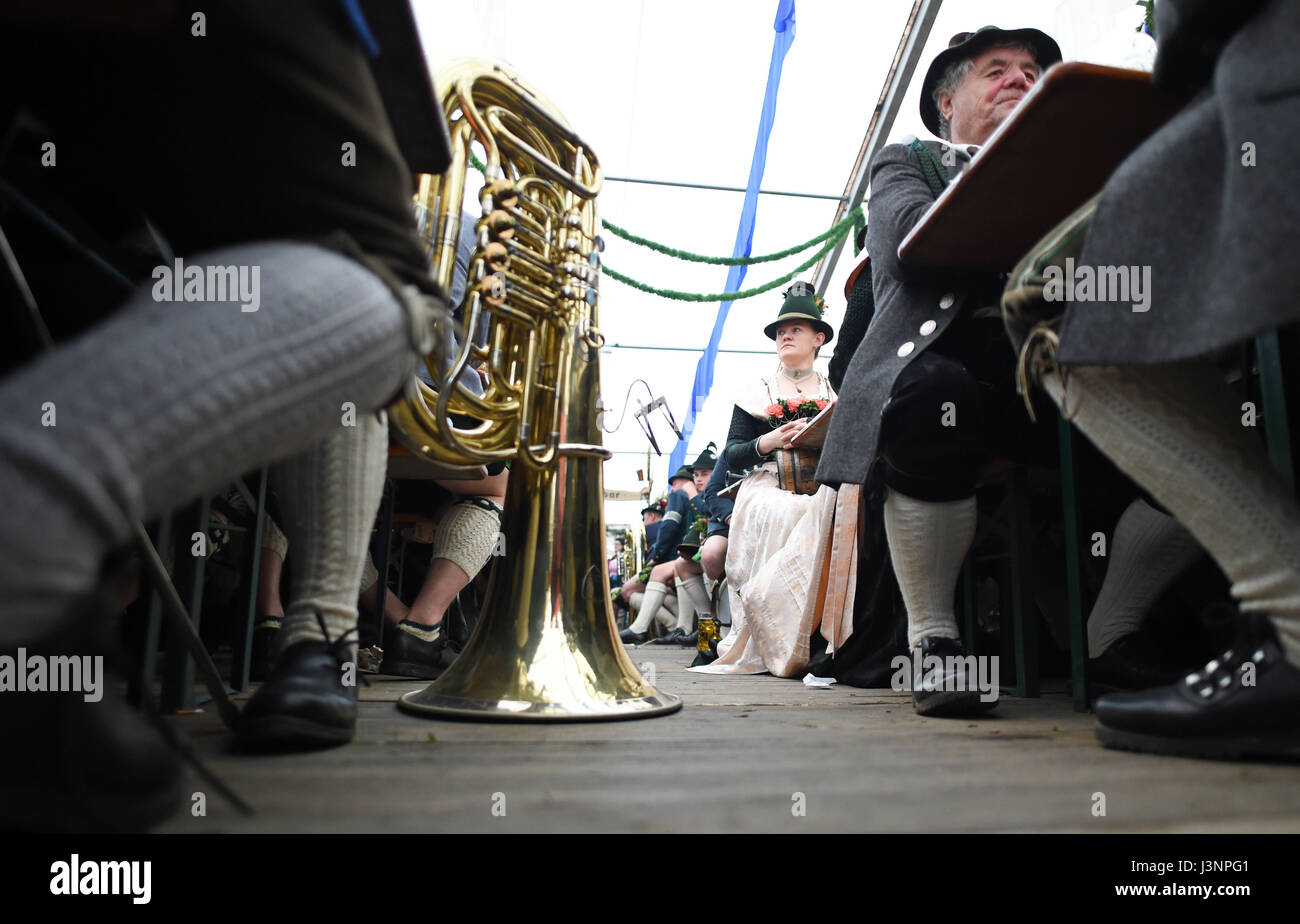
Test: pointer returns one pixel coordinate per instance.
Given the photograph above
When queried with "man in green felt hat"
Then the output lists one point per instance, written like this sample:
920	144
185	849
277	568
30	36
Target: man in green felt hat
930	350
929	397
692	598
680	513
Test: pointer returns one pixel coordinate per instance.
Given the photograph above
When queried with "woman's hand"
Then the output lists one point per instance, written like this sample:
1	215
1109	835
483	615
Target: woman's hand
780	437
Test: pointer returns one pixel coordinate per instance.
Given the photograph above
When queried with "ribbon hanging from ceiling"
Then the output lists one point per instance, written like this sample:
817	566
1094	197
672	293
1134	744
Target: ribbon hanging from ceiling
784	27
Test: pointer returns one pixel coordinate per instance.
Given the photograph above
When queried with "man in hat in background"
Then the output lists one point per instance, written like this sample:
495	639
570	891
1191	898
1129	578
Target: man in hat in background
680	513
930	391
692	598
652	516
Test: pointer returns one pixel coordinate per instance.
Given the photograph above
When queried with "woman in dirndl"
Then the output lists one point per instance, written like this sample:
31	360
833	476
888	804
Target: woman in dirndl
777	538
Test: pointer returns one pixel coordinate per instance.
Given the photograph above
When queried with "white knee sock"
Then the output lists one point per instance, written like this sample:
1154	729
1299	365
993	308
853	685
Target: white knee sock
927	544
1177	430
1149	549
467	534
329	496
273	538
654	598
693	601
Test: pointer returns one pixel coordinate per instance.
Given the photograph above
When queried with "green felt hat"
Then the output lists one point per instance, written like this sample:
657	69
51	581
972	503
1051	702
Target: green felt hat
802	302
707	459
970	45
683	472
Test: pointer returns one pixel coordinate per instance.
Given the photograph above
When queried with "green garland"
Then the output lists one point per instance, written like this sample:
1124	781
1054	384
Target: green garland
834	231
832	236
725	296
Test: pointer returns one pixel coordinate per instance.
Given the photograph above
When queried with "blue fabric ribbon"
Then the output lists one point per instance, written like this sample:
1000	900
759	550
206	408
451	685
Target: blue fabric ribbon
784	26
359	25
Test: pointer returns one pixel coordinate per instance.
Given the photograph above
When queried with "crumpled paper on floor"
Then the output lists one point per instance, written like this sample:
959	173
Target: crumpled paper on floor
818	683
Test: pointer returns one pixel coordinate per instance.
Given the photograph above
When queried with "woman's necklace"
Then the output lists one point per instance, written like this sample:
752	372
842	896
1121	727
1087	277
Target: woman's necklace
793	375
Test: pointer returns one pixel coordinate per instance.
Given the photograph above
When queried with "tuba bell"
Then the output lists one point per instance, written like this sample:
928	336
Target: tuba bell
546	646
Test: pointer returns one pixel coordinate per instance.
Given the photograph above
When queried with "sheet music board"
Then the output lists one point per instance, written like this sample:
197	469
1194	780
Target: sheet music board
1049	157
814	435
810	437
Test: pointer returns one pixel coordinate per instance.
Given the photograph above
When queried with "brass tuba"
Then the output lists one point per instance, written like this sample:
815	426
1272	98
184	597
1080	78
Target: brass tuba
546	646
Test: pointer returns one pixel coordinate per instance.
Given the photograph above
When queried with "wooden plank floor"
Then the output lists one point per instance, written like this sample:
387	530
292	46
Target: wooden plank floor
733	760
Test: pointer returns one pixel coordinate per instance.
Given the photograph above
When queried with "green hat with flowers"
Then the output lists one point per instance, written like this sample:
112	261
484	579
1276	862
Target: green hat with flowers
802	303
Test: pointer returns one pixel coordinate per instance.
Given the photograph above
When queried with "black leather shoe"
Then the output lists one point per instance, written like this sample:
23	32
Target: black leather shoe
1129	664
951	691
674	637
407	654
1216	711
305	704
628	637
690	639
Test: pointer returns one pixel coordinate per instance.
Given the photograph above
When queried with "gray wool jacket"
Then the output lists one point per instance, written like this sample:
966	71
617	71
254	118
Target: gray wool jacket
1218	235
913	308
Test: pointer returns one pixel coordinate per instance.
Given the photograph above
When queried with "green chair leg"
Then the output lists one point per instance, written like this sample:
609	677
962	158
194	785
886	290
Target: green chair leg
1022	587
966	587
1272	386
1074	591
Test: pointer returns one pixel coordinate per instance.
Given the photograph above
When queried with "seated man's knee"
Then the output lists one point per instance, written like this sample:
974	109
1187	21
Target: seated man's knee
930	432
714	557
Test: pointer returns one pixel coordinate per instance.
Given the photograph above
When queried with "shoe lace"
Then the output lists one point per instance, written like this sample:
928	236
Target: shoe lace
1222	673
339	647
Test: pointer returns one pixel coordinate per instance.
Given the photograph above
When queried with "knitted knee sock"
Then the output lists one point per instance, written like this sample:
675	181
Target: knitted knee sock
1176	429
369	574
273	538
667	615
467	534
163	402
654	598
927	544
693	601
1148	551
329	496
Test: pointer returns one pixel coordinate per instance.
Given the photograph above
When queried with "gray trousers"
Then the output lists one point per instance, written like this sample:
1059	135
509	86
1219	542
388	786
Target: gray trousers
165	401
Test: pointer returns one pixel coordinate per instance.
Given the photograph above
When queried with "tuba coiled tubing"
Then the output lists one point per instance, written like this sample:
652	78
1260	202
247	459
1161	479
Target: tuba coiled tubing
546	646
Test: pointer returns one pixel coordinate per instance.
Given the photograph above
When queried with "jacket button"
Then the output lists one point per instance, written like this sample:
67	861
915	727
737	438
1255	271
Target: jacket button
946	302
906	348
928	328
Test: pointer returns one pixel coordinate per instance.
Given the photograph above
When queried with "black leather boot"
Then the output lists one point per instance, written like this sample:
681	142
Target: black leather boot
1244	703
951	691
674	637
309	701
1131	663
406	654
628	637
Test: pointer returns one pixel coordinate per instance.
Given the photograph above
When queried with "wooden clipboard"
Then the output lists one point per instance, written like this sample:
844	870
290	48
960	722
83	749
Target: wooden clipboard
810	437
814	435
1050	156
